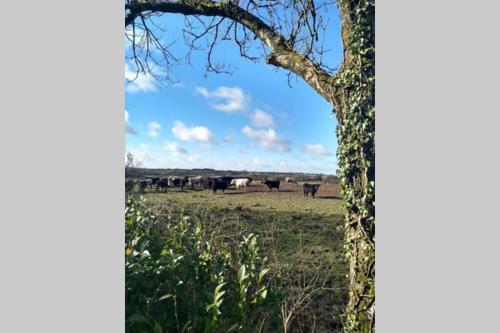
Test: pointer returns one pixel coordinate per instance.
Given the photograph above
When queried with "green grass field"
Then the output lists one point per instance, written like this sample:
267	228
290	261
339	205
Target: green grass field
300	236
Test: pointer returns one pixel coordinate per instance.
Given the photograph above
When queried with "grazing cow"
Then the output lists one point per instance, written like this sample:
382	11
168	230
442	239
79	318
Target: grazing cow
162	184
129	185
149	182
154	181
240	182
219	185
272	184
143	183
198	181
178	181
225	179
290	180
209	182
310	189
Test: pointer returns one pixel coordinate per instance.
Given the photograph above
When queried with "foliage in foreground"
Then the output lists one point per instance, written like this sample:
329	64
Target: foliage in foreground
181	279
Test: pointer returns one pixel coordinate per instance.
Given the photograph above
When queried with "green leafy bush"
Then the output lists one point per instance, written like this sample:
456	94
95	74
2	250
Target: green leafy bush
179	278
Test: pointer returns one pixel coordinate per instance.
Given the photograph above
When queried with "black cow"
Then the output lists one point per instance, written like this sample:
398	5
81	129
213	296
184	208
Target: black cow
310	189
143	183
162	184
272	184
150	183
129	185
219	185
225	179
155	181
209	182
178	182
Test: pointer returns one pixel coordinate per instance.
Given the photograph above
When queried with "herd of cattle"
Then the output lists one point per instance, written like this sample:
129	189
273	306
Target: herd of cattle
221	183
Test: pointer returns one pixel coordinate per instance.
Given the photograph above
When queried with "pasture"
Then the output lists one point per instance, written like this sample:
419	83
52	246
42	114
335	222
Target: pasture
302	238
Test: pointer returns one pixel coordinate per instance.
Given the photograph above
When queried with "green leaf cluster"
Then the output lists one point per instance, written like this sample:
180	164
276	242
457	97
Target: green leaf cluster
179	278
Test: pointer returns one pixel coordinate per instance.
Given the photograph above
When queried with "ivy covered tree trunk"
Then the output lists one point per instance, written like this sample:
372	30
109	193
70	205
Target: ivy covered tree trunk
355	110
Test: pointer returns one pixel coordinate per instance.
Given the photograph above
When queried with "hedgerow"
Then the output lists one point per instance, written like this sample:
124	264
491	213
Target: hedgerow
180	278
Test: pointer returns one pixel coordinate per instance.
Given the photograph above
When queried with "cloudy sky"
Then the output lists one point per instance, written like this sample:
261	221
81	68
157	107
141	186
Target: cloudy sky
249	120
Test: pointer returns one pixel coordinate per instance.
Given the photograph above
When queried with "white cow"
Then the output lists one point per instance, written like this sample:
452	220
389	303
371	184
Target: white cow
240	182
290	180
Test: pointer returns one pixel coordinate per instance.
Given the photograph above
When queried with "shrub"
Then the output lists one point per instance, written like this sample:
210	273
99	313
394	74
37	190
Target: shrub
179	278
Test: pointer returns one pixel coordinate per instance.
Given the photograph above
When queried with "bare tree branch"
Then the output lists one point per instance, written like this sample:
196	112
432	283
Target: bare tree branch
281	50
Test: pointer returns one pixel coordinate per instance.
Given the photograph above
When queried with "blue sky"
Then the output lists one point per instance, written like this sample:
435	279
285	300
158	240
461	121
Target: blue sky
249	120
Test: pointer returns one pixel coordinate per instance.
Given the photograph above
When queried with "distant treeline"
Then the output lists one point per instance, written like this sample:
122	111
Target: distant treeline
301	177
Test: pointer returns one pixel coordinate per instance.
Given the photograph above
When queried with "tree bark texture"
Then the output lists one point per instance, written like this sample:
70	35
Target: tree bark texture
355	108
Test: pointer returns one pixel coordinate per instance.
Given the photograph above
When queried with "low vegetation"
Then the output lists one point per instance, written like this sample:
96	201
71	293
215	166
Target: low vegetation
179	278
299	247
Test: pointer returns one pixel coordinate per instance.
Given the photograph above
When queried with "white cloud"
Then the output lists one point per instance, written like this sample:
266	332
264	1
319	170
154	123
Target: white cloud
229	136
282	164
317	149
267	139
154	129
173	155
128	128
242	151
174	148
203	91
195	133
137	82
193	158
262	119
257	164
205	145
140	154
225	99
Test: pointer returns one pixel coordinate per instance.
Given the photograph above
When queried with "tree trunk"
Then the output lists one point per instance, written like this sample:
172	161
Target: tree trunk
358	179
355	109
